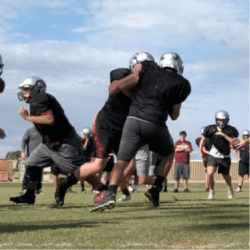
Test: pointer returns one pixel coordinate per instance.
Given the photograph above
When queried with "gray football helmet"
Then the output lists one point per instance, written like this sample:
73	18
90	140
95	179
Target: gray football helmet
1	65
34	83
87	132
245	132
202	130
138	58
172	60
222	115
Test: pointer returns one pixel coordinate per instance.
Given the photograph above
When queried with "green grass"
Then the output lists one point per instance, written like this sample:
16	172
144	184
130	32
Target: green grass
184	220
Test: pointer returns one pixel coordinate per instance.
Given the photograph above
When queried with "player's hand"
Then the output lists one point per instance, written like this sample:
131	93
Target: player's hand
241	145
2	134
23	155
239	159
137	68
23	112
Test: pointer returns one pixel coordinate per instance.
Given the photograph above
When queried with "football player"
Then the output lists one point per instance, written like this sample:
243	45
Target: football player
221	135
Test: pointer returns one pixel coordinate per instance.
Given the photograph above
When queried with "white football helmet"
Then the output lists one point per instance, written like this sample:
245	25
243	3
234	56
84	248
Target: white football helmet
245	132
1	65
202	130
172	60
33	83
138	58
222	115
87	132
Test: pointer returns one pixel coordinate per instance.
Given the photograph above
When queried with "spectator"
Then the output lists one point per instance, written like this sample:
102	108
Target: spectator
182	168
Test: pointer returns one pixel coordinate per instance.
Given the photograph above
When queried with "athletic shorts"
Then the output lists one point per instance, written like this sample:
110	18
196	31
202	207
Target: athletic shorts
243	168
137	132
68	155
224	164
104	142
181	170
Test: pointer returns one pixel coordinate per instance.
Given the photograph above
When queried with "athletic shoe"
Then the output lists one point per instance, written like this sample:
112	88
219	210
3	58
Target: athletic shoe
165	190
39	191
238	189
99	197
24	199
187	190
95	191
153	195
130	189
211	195
175	190
108	202
230	193
207	190
84	191
125	198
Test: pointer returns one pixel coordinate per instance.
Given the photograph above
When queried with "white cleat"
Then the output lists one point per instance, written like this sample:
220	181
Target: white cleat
130	189
211	195
230	193
238	190
124	198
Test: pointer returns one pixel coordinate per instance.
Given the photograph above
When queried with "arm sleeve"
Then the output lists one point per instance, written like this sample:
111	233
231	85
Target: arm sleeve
234	132
25	139
119	74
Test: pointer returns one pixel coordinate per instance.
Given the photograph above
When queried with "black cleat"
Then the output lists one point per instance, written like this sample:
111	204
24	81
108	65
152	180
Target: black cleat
187	190
108	202
153	195
24	199
175	190
61	191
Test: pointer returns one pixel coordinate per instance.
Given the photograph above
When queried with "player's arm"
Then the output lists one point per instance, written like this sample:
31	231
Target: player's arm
228	138
126	83
202	144
189	149
236	155
205	151
175	111
46	118
242	144
25	141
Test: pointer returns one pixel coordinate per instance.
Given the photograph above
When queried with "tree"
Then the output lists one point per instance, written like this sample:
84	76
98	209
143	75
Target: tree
13	155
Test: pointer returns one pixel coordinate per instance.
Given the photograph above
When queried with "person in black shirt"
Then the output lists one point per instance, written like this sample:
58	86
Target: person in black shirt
243	160
159	93
205	150
61	145
107	129
221	135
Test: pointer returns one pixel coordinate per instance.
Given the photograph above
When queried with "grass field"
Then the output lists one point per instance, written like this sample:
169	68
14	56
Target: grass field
184	220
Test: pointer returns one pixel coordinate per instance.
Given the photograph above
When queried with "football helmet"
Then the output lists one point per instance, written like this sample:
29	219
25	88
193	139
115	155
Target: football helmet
138	58
172	60
222	115
202	130
1	65
245	132
87	132
34	83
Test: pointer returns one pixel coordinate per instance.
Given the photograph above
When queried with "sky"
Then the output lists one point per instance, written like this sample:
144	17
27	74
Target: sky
73	45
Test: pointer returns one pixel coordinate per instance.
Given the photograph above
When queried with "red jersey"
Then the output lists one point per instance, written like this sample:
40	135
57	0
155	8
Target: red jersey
182	157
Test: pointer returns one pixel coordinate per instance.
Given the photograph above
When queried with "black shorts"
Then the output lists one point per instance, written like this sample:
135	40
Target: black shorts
137	132
224	164
104	141
243	168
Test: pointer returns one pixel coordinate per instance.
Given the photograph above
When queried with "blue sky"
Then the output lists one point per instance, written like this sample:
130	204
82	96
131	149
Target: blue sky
73	45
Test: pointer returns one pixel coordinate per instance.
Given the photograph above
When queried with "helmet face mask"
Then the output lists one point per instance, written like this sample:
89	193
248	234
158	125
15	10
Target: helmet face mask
35	86
138	58
222	118
172	60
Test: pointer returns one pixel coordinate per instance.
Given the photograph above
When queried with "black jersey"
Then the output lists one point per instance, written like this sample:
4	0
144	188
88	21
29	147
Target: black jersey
114	112
61	128
220	142
208	143
157	91
89	150
244	154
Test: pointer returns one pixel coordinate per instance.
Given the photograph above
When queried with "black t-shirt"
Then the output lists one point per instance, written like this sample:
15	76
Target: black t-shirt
114	112
157	91
218	141
61	128
208	143
244	154
89	150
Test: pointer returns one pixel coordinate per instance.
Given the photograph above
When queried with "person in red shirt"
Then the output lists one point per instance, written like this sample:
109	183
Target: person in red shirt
183	149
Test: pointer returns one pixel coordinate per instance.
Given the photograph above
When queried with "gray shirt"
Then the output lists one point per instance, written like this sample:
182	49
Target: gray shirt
31	139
